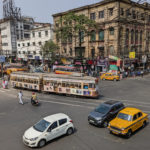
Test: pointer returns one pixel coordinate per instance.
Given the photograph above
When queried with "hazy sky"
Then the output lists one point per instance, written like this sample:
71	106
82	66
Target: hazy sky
42	10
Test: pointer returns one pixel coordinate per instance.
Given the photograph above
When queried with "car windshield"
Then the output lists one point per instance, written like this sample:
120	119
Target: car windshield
102	109
124	116
41	125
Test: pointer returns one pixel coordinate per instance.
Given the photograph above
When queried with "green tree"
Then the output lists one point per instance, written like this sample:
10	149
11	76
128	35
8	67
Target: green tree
49	50
74	27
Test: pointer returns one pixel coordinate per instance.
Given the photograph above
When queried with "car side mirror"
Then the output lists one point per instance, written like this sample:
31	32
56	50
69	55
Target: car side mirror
111	112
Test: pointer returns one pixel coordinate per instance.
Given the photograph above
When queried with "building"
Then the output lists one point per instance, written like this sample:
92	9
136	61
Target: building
30	48
123	27
11	31
0	43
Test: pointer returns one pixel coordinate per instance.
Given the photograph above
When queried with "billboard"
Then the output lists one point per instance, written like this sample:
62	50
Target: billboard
2	59
132	55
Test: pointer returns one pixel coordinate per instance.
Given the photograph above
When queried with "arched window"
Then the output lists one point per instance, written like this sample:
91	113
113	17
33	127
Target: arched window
111	30
132	36
141	34
136	37
101	35
93	36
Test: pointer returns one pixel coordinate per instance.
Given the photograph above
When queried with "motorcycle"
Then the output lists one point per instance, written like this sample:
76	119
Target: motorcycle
34	102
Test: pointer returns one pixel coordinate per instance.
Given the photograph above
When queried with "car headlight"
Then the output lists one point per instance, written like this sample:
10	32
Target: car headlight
122	129
33	139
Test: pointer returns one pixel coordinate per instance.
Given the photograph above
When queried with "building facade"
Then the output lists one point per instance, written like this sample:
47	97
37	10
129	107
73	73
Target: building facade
30	48
11	31
123	27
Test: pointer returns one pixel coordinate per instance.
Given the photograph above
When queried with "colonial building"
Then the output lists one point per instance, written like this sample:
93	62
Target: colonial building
123	27
30	48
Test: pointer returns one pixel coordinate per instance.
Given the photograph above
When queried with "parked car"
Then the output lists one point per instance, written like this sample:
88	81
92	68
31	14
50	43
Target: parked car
127	121
110	76
47	129
105	112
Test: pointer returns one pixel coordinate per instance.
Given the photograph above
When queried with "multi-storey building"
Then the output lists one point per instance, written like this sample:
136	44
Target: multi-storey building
30	48
11	31
123	27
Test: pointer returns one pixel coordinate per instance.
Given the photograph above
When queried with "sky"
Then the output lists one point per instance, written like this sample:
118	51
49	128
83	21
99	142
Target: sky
42	10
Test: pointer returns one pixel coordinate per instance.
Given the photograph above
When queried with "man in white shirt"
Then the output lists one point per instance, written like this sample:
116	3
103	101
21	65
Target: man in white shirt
20	95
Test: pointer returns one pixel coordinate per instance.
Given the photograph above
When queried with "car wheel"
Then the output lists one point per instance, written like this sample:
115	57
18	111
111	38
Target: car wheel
144	124
69	131
41	143
115	80
105	124
103	79
128	135
110	132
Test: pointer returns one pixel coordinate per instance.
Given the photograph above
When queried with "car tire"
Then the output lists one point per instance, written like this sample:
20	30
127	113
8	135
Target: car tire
110	132
115	80
103	79
128	135
69	131
42	143
144	124
105	124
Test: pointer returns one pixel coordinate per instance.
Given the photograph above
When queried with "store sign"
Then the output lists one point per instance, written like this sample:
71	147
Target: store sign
2	59
113	57
118	62
132	55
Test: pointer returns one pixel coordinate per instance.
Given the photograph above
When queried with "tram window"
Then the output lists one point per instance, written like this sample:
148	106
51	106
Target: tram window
85	87
79	86
63	84
59	84
91	85
72	85
76	86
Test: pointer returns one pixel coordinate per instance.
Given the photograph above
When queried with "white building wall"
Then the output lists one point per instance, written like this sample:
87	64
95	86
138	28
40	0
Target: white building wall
30	48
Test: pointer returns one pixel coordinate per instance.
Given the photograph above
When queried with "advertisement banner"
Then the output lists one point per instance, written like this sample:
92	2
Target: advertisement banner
113	57
132	55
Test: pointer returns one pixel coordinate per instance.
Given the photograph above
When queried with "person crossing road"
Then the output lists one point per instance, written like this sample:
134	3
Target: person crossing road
20	95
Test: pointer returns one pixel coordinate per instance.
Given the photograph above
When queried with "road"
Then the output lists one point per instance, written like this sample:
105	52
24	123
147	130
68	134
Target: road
15	118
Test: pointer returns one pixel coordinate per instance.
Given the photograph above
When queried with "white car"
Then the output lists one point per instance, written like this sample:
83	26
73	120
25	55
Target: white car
47	129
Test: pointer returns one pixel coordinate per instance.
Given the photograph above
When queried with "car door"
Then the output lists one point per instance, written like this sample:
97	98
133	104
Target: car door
62	126
140	120
134	122
52	132
111	114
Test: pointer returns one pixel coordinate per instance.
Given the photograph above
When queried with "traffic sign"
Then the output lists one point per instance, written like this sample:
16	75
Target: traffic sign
2	59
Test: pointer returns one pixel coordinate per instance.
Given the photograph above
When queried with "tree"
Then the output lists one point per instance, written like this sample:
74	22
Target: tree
72	26
49	50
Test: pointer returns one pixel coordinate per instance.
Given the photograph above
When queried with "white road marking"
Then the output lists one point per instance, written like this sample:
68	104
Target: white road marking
2	91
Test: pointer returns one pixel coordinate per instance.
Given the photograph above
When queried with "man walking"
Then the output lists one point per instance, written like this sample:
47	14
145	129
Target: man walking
20	95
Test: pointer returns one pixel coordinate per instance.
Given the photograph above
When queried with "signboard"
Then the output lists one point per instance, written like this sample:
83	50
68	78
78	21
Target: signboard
113	57
132	55
118	63
2	59
113	67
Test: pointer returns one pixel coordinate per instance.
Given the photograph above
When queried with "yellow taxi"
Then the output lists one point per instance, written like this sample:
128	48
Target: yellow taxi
10	70
127	121
110	76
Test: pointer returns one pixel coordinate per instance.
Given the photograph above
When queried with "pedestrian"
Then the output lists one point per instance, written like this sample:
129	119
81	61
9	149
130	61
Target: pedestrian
20	95
142	73
6	84
3	84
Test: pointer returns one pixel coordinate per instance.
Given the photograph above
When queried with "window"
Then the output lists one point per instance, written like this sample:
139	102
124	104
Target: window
53	126
134	117
70	38
101	35
111	11
70	51
141	34
92	16
133	14
142	16
28	52
127	36
22	44
23	52
62	121
128	12
28	44
93	53
111	30
122	12
85	87
40	43
136	37
81	36
33	34
33	43
34	52
46	33
139	114
132	36
18	45
101	14
39	34
93	36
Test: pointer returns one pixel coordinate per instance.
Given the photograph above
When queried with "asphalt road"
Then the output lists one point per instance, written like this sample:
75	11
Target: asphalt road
15	118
